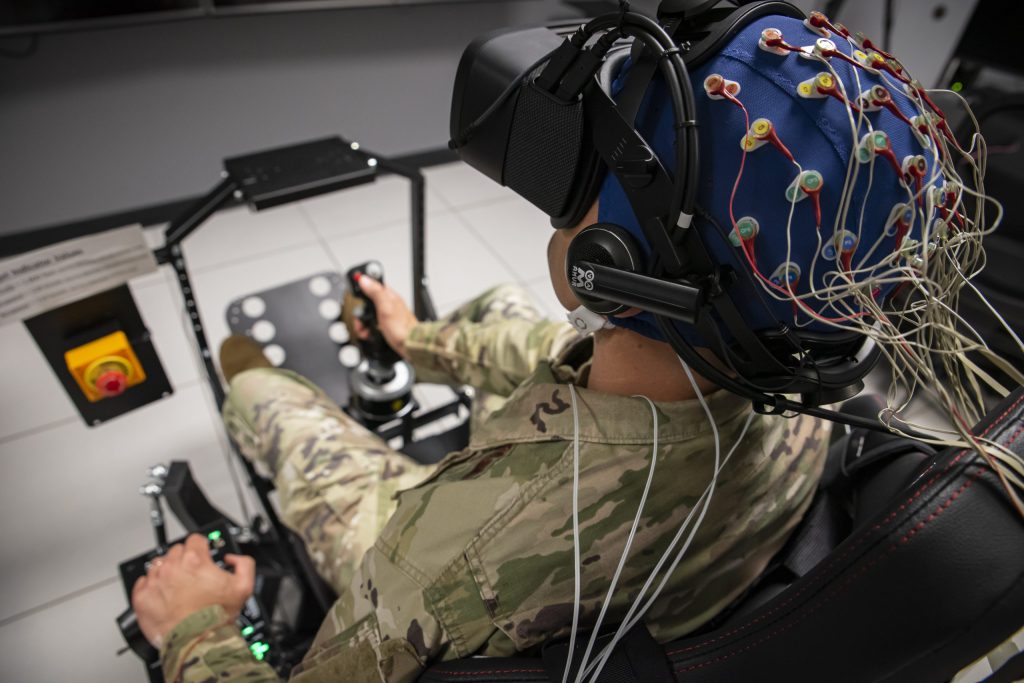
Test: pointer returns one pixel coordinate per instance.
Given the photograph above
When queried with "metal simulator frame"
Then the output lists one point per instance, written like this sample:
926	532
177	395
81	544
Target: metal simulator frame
264	180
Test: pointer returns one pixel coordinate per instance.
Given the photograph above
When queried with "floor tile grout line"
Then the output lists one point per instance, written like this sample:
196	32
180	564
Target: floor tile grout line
438	195
67	597
202	270
39	429
487	245
483	203
321	240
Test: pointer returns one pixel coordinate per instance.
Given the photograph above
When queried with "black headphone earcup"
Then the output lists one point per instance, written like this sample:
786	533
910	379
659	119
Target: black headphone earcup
603	244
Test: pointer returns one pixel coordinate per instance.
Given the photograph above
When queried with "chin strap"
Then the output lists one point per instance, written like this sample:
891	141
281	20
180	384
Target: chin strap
587	322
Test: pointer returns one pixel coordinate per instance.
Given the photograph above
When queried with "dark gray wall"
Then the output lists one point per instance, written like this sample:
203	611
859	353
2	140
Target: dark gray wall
101	121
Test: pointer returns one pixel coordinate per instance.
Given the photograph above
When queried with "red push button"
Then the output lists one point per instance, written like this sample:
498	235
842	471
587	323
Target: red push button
112	383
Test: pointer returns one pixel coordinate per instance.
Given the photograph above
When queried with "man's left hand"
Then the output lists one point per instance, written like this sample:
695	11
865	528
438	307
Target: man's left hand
185	580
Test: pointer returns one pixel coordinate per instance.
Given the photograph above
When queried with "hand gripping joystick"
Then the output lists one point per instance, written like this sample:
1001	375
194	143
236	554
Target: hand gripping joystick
381	386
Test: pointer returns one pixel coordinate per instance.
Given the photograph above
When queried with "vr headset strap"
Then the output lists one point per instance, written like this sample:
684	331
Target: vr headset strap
639	78
637	168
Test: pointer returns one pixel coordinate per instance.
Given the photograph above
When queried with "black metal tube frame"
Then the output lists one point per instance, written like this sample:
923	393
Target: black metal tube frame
171	253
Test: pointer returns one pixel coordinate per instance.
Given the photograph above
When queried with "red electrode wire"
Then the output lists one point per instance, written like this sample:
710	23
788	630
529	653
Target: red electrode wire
780	43
747	245
749	249
777	143
817	210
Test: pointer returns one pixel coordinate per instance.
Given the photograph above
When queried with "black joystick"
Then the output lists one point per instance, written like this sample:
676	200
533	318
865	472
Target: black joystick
374	348
381	387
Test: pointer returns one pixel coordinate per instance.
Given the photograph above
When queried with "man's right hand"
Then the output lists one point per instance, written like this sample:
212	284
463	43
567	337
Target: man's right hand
394	318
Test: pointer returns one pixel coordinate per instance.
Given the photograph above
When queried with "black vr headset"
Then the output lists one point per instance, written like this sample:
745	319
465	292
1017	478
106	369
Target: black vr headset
532	109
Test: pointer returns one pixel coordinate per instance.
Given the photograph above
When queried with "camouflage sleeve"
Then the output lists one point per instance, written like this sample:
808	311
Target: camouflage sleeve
492	342
494	356
207	646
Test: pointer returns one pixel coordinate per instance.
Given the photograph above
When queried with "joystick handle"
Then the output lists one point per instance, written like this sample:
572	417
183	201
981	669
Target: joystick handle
375	348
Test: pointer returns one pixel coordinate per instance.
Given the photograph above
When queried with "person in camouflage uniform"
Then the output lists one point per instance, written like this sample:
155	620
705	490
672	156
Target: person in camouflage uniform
474	556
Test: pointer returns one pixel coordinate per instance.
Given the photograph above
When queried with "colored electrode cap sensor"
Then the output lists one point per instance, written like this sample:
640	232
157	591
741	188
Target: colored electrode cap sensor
788	272
811	181
880	95
817	22
844	243
824	47
717	86
746	229
761	129
806	183
771	40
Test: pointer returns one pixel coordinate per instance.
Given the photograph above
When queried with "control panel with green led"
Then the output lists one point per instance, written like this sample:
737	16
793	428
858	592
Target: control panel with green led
252	622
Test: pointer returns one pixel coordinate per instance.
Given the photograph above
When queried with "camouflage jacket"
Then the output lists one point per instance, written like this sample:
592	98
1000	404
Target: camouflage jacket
477	558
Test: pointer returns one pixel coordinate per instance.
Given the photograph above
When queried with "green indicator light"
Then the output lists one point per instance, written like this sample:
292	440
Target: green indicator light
880	140
734	238
957	87
247	631
213	535
259	650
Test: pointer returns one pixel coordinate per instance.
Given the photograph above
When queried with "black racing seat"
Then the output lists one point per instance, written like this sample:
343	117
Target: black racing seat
908	567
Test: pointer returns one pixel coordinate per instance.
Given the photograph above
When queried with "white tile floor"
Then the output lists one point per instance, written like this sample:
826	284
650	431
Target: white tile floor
69	501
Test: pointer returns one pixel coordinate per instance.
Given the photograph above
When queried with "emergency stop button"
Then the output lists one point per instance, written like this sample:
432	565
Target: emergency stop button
105	367
112	383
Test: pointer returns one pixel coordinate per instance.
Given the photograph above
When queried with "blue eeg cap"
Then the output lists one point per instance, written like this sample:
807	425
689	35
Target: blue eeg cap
819	134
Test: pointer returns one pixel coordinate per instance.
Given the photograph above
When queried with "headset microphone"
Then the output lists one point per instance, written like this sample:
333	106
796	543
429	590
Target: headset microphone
676	300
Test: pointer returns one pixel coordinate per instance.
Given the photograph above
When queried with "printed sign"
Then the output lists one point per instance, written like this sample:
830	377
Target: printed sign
46	278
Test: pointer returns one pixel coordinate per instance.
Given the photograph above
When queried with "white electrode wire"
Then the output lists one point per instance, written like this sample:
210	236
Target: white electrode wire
629	543
575	530
628	622
633	615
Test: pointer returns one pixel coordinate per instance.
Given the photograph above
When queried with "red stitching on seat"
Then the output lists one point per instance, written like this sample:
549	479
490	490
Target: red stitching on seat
835	560
845	584
1015	435
924	522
